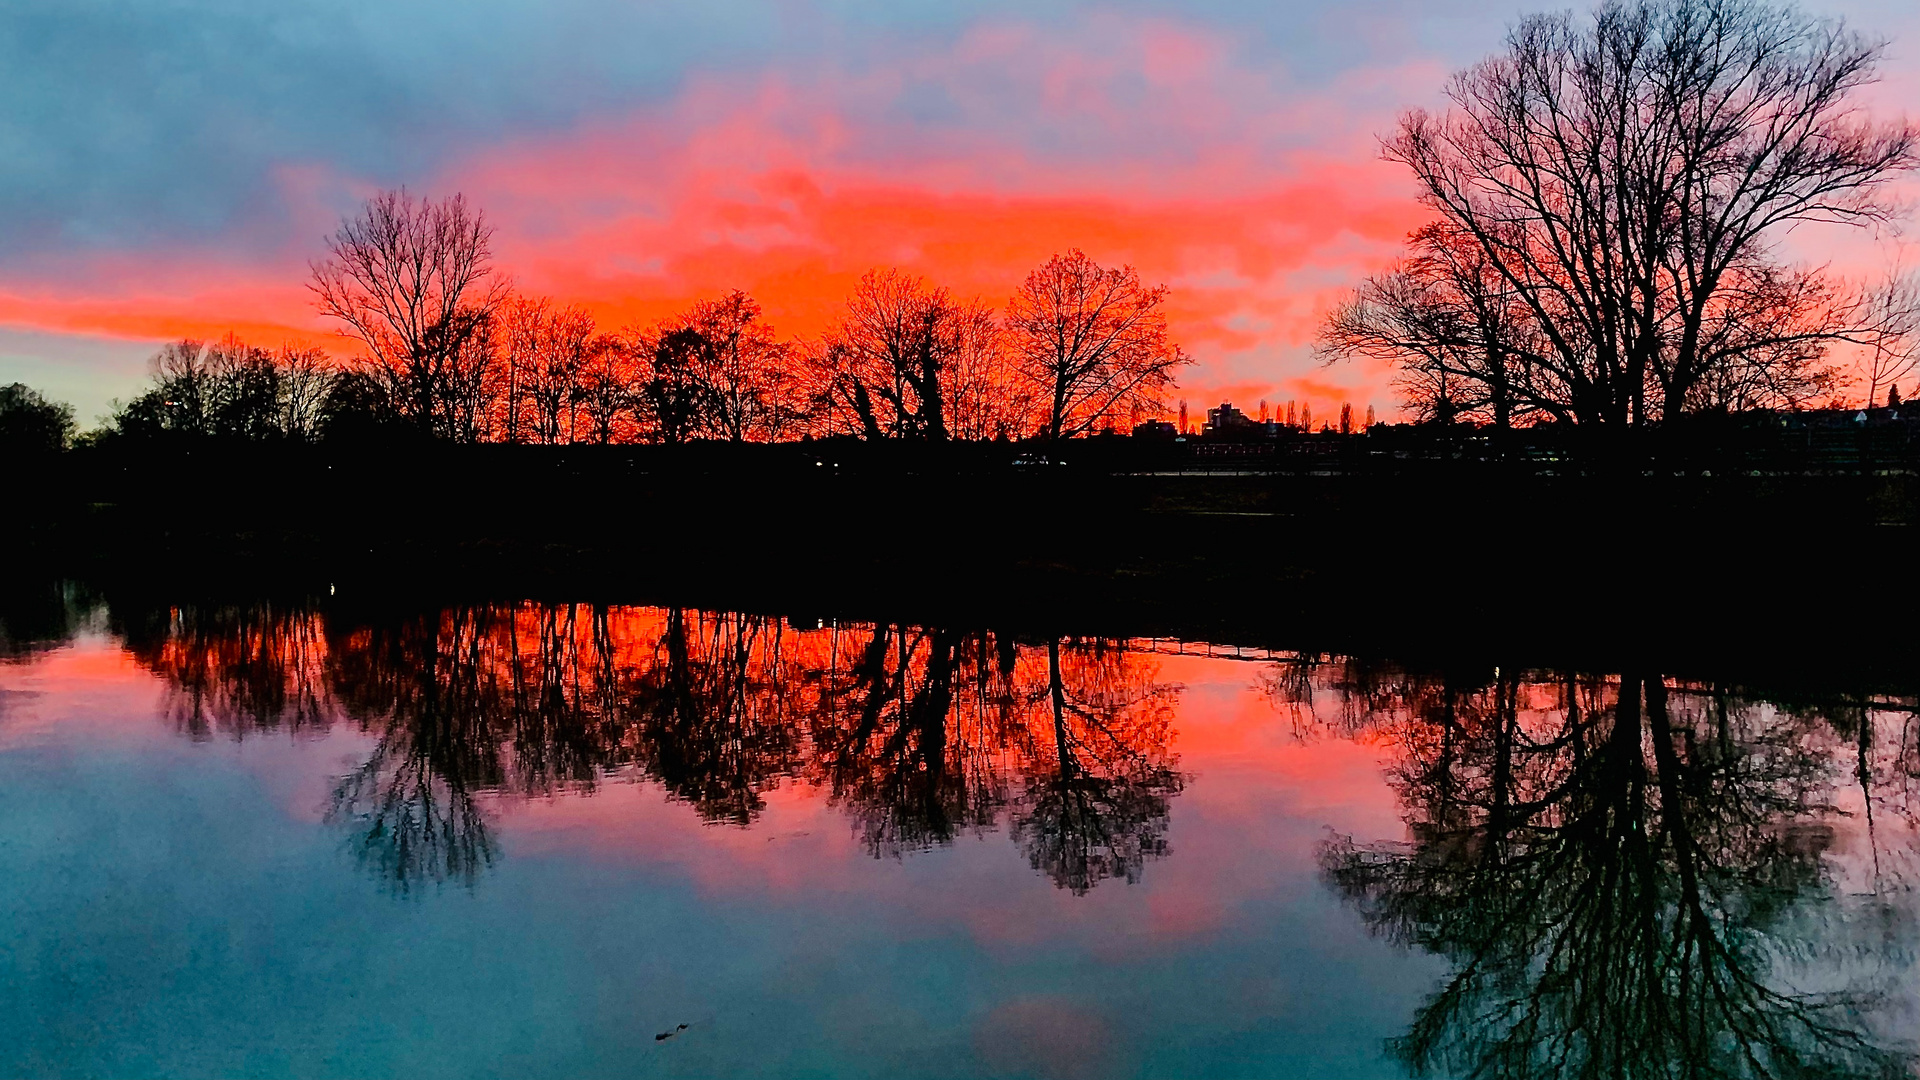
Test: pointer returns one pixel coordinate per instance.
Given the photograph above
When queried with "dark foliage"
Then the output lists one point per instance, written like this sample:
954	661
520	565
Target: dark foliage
30	425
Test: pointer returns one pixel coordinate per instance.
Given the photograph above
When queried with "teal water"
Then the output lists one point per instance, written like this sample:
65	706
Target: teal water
192	885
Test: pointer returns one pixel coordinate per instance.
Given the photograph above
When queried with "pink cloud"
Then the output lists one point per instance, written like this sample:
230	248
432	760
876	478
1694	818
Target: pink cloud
1255	199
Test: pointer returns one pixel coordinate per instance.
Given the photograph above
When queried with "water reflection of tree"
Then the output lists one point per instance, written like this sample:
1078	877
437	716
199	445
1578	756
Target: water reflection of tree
1095	804
911	731
1624	885
37	614
233	669
440	729
926	735
918	735
710	722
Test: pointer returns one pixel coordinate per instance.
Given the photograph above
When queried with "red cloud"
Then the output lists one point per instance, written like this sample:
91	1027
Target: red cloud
1255	206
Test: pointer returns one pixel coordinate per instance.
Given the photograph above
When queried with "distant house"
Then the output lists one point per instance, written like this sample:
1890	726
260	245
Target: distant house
1227	420
1229	424
1155	429
1880	417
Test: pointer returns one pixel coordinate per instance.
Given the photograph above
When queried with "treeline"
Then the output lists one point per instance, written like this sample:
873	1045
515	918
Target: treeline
1609	200
233	389
447	349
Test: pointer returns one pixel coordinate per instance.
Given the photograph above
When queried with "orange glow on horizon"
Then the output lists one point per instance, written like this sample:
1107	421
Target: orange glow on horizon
798	243
777	191
1255	192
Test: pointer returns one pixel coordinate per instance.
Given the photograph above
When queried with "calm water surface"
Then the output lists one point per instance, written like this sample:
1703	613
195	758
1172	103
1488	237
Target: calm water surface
531	840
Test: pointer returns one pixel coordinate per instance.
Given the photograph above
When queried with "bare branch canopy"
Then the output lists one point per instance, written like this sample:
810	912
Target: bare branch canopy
1609	193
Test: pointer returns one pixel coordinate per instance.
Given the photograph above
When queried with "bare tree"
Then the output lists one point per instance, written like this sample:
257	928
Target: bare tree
551	348
610	385
746	368
1456	330
883	362
522	331
243	389
1624	177
412	281
1893	356
306	379
1093	342
985	396
911	361
470	341
204	388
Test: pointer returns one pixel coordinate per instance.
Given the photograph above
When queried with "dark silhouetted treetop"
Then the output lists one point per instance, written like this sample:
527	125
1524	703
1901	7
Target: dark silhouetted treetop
1093	343
413	282
30	424
232	390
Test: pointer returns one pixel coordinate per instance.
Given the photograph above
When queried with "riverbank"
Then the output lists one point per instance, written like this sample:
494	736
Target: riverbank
1468	562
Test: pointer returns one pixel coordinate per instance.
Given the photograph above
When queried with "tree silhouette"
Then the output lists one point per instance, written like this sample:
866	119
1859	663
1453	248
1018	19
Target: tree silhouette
411	280
549	351
30	425
229	389
1093	342
745	369
910	361
1609	192
678	399
1456	328
610	392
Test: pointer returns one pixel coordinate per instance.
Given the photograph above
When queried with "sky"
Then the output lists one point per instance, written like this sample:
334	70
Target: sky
169	167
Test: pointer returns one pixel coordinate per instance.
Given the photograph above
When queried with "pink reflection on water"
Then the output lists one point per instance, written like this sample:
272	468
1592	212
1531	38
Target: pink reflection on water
1258	803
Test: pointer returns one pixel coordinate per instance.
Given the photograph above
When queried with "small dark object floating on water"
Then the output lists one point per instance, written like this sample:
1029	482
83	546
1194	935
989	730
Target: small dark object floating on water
665	1035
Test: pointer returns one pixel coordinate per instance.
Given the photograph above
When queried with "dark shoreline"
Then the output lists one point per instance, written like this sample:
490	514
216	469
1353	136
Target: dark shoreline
1803	578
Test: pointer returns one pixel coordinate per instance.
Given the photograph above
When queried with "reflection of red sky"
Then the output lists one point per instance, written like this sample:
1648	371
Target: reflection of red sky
1256	804
93	690
90	686
1259	799
1256	203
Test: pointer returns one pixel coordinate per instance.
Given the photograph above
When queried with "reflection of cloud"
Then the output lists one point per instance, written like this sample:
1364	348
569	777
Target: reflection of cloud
1046	1037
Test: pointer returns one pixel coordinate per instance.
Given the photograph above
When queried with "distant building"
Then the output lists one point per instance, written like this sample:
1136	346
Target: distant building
1227	420
1155	429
